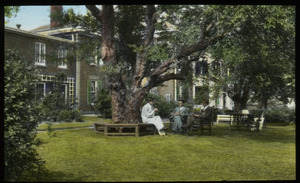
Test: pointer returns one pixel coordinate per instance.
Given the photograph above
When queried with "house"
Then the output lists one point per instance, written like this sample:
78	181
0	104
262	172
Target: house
49	55
174	89
52	49
88	77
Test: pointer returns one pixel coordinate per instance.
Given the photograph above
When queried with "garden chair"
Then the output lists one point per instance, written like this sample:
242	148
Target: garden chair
200	124
258	123
205	124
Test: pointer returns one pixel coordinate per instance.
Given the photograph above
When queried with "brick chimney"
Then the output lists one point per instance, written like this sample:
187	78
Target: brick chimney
55	9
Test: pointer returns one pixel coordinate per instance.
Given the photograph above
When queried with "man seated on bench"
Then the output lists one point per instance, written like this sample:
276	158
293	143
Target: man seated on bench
177	116
148	116
203	117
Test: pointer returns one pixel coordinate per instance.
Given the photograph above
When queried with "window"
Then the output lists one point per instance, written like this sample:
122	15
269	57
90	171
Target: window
168	97
95	58
92	88
40	54
201	68
154	91
62	56
93	91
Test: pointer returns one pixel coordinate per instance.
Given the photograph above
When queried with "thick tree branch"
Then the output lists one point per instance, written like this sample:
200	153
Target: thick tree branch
108	51
96	12
168	77
140	63
150	19
201	45
165	66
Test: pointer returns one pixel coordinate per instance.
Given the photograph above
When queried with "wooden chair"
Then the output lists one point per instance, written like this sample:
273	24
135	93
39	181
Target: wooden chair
205	124
201	124
258	123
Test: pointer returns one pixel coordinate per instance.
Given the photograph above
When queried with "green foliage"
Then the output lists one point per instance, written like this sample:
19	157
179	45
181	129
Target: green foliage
128	26
69	116
103	103
202	95
65	115
164	107
261	51
280	114
51	106
259	43
20	117
87	22
11	11
158	53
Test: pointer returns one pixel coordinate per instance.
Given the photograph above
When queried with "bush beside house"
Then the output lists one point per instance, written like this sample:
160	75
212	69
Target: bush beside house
20	118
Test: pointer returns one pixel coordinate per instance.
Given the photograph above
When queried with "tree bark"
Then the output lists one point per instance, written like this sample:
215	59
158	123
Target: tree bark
239	95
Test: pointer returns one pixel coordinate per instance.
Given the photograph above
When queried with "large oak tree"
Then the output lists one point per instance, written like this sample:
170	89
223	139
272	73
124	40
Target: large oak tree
146	43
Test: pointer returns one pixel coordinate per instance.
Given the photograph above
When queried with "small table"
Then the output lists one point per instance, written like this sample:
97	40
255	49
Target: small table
240	119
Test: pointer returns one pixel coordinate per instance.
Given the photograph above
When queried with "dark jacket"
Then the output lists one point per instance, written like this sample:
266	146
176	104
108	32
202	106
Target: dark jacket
207	113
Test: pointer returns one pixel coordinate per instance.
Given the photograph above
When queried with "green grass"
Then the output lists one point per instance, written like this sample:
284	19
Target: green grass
81	155
88	121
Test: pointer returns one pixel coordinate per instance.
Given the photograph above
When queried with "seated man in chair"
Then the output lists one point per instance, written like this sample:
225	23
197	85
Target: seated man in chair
202	118
178	116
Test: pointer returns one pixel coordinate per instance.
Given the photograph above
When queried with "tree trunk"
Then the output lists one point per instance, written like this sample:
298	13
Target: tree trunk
126	108
239	95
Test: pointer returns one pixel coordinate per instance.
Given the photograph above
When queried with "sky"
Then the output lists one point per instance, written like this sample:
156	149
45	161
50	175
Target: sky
31	17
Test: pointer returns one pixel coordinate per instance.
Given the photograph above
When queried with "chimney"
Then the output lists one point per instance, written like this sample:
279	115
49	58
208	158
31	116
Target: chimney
18	26
55	9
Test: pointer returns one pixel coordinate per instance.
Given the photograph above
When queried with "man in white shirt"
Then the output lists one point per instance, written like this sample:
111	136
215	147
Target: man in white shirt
148	116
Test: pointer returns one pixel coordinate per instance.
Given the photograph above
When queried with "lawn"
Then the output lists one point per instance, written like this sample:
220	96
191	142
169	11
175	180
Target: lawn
81	155
88	121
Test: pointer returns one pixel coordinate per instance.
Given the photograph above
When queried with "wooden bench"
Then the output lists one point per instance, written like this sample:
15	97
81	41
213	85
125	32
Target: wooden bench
222	117
125	129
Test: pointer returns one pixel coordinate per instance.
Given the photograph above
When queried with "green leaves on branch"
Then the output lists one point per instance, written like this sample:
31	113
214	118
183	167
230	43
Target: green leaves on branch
11	11
113	70
158	52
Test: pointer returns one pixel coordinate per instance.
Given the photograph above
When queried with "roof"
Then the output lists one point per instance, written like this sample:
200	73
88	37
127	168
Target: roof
45	30
31	34
41	28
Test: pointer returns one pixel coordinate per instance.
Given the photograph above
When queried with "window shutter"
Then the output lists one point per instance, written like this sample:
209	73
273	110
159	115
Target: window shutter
88	91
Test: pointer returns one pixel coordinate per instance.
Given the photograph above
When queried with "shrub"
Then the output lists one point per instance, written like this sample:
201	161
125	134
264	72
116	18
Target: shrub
280	114
103	103
54	108
69	116
65	115
20	118
51	106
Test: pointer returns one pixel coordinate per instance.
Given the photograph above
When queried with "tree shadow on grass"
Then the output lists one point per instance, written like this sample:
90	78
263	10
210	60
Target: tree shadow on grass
45	175
284	134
